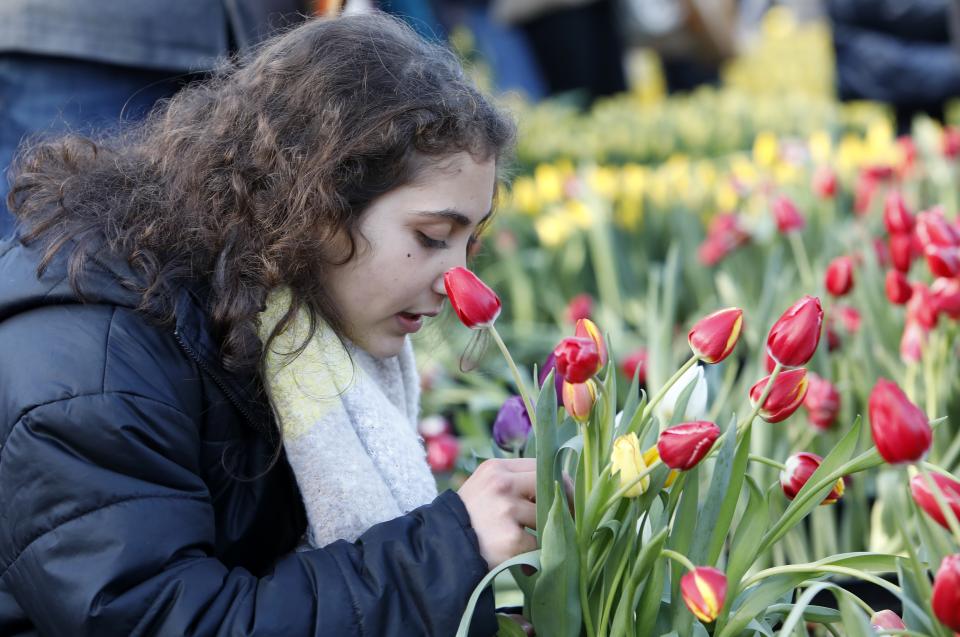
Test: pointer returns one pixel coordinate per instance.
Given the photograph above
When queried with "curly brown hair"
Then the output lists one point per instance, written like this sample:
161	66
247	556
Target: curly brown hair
249	179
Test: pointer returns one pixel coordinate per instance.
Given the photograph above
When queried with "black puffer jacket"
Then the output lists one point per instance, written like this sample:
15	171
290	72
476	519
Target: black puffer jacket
134	498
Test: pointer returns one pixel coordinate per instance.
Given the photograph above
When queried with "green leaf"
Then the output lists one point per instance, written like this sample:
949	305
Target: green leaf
722	496
623	617
531	558
649	606
797	611
556	602
506	627
912	599
754	601
681	537
752	525
816	614
855	621
546	433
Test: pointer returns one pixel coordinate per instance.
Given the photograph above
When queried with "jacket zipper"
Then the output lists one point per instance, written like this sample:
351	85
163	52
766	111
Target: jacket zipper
217	380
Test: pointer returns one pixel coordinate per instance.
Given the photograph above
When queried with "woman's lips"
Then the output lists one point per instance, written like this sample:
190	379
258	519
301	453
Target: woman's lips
409	323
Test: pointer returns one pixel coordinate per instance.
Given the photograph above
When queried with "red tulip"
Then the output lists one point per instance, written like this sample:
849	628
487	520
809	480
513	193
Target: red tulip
704	590
896	217
578	359
822	401
712	251
683	446
900	429
934	229
636	364
943	260
787	216
945	294
825	182
849	317
578	399
789	390
921	308
881	251
714	336
908	148
949	489
911	342
588	329
799	467
897	287
794	337
946	593
475	303
442	452
839	276
901	251
833	338
863	193
580	307
887	619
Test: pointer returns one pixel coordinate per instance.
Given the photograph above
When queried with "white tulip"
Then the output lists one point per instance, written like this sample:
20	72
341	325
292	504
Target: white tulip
696	406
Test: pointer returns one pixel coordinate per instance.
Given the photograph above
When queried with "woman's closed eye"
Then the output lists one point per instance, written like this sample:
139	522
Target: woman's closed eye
429	242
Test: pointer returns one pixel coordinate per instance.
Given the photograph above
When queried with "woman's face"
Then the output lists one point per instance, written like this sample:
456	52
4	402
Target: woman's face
413	234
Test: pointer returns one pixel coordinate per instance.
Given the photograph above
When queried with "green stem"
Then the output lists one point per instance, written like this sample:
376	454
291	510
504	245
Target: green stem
585	597
587	467
952	522
517	377
822	568
767	461
679	558
803	261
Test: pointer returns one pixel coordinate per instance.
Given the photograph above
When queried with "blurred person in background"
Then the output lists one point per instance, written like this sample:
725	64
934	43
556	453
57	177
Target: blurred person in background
576	43
84	65
896	51
692	37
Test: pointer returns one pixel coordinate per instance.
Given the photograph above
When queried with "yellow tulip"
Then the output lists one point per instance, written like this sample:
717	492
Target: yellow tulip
627	460
652	455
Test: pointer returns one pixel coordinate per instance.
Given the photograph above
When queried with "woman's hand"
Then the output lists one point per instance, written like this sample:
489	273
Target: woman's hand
500	498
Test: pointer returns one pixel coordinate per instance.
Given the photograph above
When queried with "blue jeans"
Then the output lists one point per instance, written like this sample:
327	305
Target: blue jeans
46	96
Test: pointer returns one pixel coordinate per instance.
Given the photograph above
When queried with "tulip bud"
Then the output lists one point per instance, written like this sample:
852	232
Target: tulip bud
949	488
713	337
626	459
696	405
704	590
512	424
789	390
588	329
825	182
839	276
712	251
635	364
945	294
787	216
475	303
822	401
580	307
897	287
651	456
578	359
863	193
943	260
849	317
881	252
799	468
442	452
946	593
896	217
548	365
901	251
578	399
911	342
934	229
950	144
683	446
900	429
921	308
794	337
887	620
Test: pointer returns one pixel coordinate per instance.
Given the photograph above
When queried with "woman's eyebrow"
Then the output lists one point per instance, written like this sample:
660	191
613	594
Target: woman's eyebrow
449	214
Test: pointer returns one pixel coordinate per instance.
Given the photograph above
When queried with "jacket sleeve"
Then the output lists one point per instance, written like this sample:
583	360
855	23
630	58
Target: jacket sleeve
106	528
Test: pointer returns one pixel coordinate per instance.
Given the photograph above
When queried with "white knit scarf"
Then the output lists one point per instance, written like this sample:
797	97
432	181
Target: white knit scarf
349	423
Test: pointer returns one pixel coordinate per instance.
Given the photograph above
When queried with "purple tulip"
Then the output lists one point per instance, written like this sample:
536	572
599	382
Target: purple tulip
551	364
512	425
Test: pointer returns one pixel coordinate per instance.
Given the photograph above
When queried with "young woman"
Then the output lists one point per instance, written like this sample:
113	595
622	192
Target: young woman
306	201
